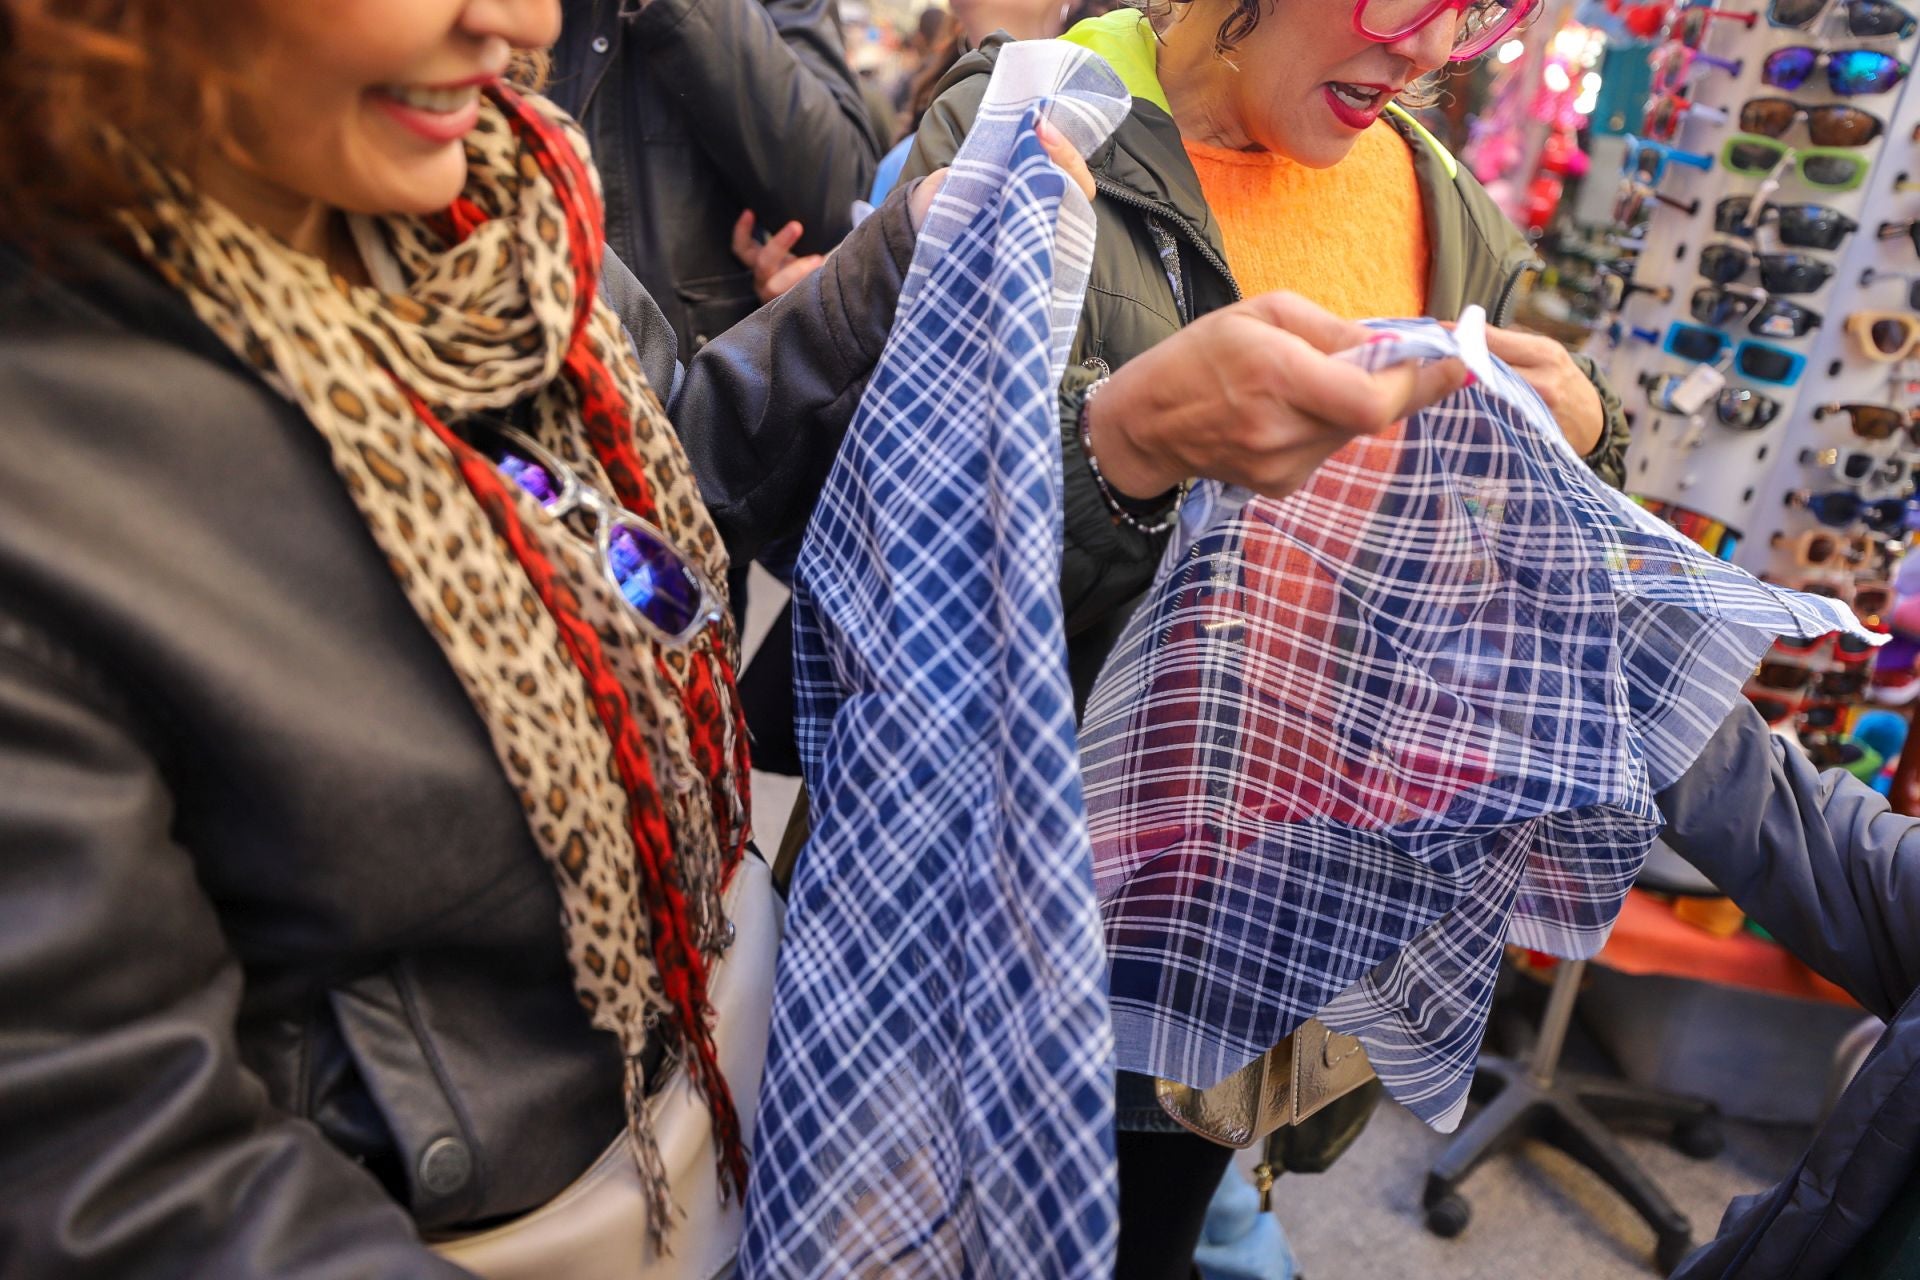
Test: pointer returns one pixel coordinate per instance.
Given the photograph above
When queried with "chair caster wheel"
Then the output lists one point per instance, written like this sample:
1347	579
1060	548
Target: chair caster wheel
1448	1215
1671	1251
1699	1139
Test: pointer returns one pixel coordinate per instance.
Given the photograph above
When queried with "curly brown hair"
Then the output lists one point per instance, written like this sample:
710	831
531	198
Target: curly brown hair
76	74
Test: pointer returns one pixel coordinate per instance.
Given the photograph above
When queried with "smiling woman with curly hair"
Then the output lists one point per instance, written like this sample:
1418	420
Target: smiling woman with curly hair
371	780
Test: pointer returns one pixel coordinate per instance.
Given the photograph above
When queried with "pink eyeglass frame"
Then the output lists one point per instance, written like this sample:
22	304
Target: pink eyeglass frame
1518	11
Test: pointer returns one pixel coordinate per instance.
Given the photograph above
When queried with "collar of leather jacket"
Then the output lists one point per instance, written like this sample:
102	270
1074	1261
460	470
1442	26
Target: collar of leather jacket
1477	254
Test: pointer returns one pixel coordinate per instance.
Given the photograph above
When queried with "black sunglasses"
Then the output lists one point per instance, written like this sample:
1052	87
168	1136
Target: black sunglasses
1744	409
1865	18
1779	272
1779	318
1719	306
1799	226
1737	408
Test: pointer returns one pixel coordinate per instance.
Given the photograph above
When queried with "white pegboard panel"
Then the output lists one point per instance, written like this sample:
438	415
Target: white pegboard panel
1740	479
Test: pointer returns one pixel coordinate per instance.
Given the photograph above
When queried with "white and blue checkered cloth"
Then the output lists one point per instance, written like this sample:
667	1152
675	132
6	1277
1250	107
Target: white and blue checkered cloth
938	1098
1361	737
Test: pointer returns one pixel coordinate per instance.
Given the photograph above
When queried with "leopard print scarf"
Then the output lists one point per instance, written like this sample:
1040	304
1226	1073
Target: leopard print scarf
629	758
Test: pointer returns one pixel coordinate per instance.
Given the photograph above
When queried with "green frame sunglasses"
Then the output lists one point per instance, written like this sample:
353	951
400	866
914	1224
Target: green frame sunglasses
1752	155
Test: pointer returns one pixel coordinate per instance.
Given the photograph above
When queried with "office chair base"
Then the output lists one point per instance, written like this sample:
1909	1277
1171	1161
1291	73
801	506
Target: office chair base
1567	1114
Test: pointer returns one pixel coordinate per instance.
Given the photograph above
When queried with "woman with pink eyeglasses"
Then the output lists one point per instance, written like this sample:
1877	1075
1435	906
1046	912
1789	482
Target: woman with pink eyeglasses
1267	178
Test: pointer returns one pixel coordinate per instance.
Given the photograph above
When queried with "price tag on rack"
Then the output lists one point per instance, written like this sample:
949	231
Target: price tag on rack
1697	390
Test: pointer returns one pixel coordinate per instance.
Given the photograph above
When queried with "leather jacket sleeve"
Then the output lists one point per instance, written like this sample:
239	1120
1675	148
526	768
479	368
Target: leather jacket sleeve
136	1142
766	91
762	408
1817	858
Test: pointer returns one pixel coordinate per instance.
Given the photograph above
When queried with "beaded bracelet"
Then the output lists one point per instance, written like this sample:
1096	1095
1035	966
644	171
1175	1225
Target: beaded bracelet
1114	504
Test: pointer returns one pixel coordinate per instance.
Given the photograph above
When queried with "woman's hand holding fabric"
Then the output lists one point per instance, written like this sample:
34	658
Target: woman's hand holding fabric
1251	395
1549	370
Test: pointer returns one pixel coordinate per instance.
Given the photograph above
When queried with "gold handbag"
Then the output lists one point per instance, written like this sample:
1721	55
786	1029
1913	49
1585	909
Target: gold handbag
1289	1083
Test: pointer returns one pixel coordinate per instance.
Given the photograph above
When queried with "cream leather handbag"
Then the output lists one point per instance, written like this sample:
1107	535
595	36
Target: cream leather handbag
596	1229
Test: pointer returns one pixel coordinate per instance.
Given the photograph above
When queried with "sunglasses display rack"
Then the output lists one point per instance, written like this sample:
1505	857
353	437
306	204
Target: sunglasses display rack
1765	336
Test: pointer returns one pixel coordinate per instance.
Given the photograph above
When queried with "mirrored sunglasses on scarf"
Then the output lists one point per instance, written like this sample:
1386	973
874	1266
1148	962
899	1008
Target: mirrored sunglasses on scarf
1850	72
1874	421
671	599
1842	508
1779	272
1832	124
1855	466
1798	226
1871	276
1825	168
1691	27
1666	113
1887	336
1865	18
1737	408
1649	160
1482	24
1673	62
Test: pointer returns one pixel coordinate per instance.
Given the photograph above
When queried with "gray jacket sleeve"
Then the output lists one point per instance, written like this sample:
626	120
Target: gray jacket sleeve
762	408
1818	859
767	94
136	1143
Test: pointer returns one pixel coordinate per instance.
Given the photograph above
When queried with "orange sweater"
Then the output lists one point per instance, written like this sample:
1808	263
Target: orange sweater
1352	238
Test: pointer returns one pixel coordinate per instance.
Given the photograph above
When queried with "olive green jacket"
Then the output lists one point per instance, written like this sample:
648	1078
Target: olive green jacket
1159	263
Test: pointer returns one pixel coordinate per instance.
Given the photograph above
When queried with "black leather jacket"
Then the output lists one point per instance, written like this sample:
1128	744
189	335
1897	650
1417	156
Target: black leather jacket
281	974
698	109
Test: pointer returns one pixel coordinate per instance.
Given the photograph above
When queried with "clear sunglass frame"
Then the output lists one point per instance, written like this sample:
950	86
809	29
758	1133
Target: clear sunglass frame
575	495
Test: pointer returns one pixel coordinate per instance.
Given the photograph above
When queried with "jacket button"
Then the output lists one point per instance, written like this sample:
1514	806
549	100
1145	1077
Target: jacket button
445	1166
601	44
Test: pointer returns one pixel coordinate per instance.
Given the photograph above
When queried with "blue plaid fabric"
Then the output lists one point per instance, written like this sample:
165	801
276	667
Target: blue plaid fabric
938	1098
1360	738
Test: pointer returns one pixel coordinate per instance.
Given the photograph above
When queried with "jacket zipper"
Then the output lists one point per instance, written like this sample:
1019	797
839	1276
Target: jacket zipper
1503	306
1107	187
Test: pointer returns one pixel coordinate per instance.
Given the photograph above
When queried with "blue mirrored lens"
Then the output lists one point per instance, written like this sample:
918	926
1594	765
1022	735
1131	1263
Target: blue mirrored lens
531	476
1862	71
652	577
1789	68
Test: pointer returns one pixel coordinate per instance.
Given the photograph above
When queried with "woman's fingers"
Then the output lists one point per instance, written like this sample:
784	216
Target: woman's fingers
792	274
1522	350
744	247
1064	154
1307	321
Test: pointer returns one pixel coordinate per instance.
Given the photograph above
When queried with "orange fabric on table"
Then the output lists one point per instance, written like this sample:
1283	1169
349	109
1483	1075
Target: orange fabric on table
1352	238
1649	939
